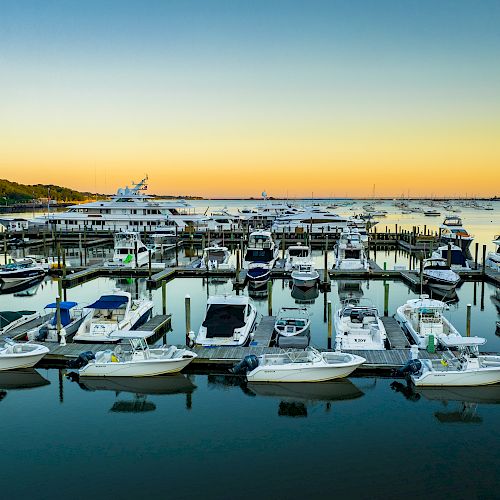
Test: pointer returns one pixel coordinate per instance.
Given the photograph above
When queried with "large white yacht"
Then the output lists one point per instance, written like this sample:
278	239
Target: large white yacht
314	220
129	210
350	251
453	231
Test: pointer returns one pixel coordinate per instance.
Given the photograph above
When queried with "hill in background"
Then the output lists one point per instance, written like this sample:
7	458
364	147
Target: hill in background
12	192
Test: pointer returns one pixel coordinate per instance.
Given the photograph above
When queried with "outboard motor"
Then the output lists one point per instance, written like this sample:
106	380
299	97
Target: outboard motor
411	367
81	360
247	364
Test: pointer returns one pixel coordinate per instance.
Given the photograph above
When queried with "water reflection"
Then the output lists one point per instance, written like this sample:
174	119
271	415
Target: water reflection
14	380
30	287
139	388
307	296
461	403
350	290
296	399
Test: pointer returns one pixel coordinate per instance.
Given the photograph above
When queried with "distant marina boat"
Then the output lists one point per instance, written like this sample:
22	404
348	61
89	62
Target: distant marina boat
358	326
216	257
12	319
71	318
457	257
493	260
452	231
432	213
297	255
20	271
113	312
260	257
350	251
228	321
423	319
292	327
127	245
438	274
305	276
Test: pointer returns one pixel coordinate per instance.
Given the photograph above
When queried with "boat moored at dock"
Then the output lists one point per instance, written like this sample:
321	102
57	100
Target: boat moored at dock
14	355
438	274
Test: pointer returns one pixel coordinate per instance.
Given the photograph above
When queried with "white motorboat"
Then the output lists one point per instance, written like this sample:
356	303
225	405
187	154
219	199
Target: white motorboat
305	276
297	255
493	259
467	368
228	321
216	257
312	220
457	257
71	319
20	271
307	365
138	360
432	213
438	274
350	251
12	319
423	319
14	355
116	311
126	245
453	231
261	255
292	327
358	326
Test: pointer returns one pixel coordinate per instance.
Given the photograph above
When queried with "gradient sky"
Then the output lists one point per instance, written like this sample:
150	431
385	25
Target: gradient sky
228	98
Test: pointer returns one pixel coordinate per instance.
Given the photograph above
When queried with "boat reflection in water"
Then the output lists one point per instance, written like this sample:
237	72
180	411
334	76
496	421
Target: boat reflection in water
29	286
305	296
466	400
448	296
350	290
297	398
13	380
140	388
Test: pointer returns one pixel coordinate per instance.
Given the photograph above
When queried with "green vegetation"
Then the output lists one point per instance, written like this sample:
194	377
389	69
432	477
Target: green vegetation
12	192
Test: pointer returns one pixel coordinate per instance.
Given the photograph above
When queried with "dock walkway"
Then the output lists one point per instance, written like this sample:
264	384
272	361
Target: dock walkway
397	338
264	332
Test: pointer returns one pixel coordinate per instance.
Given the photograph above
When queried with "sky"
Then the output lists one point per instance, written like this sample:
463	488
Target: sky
231	98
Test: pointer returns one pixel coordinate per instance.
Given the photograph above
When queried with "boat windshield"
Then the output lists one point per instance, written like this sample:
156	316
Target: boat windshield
298	252
259	255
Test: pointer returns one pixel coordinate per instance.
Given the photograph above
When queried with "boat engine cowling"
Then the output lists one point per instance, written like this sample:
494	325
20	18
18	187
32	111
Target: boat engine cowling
411	367
247	364
81	360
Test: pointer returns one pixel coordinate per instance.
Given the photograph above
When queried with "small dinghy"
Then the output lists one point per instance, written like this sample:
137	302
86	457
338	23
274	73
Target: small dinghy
467	368
309	365
14	355
292	326
138	361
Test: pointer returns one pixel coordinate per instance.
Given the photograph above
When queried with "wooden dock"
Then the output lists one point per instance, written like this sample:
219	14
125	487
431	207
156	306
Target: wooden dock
264	332
395	335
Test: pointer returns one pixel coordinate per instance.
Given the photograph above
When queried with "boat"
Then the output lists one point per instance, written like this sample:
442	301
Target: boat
12	319
467	368
423	319
15	355
215	257
305	276
309	365
359	327
129	251
350	251
493	259
228	321
137	360
313	220
20	271
130	209
292	327
432	213
260	257
113	312
437	273
453	231
297	255
457	258
71	318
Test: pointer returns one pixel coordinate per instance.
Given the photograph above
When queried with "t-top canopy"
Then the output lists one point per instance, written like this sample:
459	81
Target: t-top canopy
131	334
62	305
109	302
458	341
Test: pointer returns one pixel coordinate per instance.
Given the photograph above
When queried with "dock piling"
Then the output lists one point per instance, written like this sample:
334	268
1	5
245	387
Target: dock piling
386	299
467	323
187	307
484	260
329	324
164	297
270	298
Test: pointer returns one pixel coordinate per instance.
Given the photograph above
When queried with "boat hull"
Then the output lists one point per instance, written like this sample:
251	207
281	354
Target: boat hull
457	378
146	368
299	374
22	360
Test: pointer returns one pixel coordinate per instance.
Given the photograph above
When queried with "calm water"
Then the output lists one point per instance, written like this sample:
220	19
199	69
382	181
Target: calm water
214	437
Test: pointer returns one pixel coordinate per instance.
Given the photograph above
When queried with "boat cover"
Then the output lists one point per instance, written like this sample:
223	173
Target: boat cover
109	302
62	305
7	317
223	319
